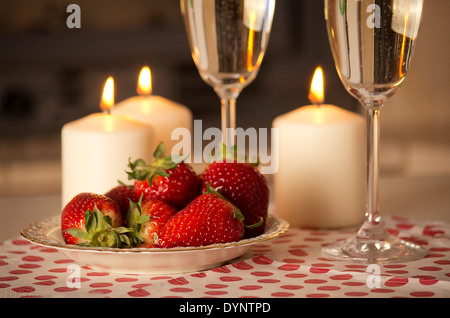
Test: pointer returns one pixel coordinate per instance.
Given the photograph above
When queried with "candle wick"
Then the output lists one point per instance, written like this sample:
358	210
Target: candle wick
107	111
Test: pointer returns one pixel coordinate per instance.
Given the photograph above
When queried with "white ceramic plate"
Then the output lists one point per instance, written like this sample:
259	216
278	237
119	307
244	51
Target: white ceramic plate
147	260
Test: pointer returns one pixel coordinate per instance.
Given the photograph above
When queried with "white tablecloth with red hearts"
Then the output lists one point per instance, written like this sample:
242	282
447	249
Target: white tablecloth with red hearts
289	266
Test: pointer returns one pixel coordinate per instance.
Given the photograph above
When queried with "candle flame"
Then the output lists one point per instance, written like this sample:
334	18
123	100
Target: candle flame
107	101
145	82
316	93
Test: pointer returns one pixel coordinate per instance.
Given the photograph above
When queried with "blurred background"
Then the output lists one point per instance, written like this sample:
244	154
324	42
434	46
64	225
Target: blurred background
50	75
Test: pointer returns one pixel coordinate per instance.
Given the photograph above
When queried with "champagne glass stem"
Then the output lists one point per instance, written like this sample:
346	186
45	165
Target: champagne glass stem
372	227
228	120
373	136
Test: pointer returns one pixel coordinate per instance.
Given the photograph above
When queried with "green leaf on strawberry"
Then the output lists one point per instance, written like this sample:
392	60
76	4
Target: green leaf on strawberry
140	170
99	231
135	219
160	150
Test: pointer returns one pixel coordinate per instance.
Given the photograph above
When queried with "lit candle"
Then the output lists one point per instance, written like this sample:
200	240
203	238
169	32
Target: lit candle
96	148
321	178
161	113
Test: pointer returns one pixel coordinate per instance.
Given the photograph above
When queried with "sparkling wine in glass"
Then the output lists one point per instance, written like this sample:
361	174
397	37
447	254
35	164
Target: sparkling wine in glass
228	39
372	42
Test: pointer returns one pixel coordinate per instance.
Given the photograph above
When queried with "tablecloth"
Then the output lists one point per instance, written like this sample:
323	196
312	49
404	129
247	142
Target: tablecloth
289	266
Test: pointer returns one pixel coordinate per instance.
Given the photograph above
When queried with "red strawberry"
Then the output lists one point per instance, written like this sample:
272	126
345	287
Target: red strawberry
208	219
122	194
174	183
146	220
91	214
244	186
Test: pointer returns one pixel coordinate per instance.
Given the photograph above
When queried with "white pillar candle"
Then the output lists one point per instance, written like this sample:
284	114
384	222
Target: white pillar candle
321	178
161	113
96	150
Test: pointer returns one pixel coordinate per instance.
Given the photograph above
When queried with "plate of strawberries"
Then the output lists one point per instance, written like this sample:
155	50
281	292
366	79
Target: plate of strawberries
169	220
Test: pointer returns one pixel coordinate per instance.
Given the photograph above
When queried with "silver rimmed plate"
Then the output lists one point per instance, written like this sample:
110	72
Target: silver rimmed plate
147	260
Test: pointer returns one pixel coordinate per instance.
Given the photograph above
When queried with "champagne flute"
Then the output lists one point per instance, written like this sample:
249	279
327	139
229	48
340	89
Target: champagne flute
372	44
228	39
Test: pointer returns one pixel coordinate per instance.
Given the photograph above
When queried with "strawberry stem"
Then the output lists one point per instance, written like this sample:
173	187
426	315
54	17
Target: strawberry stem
255	225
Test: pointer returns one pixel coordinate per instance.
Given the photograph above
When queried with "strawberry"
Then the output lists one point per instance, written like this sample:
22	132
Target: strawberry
208	219
244	186
89	219
174	183
122	194
146	220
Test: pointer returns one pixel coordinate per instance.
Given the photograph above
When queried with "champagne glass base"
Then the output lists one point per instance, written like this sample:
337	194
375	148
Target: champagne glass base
388	250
